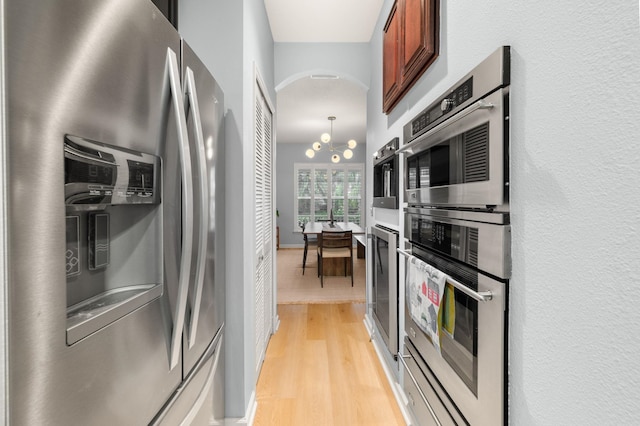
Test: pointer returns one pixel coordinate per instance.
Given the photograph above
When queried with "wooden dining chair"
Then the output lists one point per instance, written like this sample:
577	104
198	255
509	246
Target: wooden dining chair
309	241
331	245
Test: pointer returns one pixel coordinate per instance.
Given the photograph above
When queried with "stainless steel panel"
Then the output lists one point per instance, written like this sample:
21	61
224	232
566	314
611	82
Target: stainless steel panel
494	241
94	69
497	218
491	73
427	400
493	192
385	202
386	293
211	309
199	400
487	408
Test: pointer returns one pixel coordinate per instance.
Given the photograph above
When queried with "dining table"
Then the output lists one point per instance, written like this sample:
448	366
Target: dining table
358	232
318	227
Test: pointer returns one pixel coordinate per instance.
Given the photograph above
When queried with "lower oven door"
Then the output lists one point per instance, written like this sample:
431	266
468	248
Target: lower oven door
385	285
467	353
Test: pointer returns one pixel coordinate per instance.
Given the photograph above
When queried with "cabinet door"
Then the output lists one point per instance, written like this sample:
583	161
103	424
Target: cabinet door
391	53
410	45
418	38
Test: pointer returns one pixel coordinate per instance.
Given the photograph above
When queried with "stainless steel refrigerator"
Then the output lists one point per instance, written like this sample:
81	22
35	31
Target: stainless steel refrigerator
111	200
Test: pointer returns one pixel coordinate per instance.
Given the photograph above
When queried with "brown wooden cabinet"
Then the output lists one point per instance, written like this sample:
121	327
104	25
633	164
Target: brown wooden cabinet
410	45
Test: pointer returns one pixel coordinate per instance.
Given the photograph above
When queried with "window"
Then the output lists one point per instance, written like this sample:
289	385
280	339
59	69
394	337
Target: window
322	187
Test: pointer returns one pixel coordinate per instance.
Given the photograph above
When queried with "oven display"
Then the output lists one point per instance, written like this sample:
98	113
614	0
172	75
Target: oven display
458	242
436	235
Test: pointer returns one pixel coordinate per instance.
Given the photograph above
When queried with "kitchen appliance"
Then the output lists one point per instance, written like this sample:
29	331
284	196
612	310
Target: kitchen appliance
385	284
457	148
458	250
112	171
386	176
468	370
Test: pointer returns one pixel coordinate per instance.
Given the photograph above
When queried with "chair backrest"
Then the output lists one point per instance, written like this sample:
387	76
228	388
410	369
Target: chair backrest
331	239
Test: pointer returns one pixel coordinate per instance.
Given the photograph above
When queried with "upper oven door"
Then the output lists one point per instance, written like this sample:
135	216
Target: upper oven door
463	161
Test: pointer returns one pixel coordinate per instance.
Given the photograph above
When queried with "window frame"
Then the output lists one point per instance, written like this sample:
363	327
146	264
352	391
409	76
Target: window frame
330	168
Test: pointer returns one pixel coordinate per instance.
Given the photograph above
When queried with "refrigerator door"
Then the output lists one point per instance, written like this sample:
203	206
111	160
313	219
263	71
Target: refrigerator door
204	104
199	401
95	70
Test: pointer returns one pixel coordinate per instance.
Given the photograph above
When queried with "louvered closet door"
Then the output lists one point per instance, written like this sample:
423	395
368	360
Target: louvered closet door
264	224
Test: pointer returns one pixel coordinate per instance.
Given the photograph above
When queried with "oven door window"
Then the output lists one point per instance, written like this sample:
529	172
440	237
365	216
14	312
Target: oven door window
462	158
381	282
458	322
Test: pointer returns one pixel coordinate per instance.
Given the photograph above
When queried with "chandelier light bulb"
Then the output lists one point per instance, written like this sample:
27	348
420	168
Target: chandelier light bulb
326	138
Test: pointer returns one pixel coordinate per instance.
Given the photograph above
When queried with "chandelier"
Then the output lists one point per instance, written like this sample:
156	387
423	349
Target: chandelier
327	142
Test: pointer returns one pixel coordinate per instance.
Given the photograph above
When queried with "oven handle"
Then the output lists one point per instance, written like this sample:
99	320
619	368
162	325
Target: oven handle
402	357
478	105
482	296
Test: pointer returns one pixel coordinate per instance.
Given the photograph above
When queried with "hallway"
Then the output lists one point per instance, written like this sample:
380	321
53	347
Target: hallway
321	369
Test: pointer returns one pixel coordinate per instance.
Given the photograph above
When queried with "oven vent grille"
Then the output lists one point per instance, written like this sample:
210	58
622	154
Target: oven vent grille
473	246
476	152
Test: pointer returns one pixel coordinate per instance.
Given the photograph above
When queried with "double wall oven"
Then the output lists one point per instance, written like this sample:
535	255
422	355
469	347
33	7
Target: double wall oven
458	251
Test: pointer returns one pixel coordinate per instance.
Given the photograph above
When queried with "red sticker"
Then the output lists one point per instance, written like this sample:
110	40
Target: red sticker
424	288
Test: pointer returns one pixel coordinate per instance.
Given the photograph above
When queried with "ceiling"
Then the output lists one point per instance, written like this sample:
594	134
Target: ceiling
304	105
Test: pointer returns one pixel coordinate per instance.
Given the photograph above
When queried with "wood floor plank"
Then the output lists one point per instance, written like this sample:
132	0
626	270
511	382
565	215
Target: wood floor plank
321	369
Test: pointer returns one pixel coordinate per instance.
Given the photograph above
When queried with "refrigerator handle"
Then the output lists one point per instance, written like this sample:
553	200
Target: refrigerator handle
187	207
192	97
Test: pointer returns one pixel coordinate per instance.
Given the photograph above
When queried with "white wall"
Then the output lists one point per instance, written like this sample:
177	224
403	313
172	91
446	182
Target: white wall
232	37
347	60
575	201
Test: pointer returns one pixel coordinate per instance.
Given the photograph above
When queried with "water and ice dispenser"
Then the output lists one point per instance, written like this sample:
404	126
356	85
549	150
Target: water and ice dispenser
113	232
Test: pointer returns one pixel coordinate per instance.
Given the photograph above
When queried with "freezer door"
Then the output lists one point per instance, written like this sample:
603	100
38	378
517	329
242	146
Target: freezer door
96	70
204	104
199	400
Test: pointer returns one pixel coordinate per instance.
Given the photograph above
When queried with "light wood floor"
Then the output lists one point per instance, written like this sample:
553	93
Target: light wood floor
321	369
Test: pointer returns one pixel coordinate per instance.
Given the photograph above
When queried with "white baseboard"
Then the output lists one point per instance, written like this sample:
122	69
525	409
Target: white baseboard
249	416
297	246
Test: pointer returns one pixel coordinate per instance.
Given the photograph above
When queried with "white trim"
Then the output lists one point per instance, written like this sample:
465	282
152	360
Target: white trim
249	416
306	73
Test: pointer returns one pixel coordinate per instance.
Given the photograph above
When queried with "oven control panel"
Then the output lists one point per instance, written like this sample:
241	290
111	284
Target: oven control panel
445	105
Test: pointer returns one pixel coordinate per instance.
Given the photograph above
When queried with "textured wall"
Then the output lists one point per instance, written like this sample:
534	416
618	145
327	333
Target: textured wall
575	201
